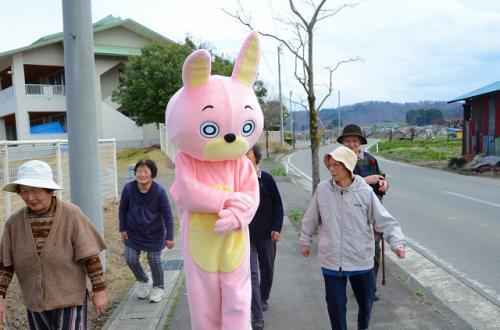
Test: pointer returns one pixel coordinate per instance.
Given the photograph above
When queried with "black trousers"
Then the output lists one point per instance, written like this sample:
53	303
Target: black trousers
262	255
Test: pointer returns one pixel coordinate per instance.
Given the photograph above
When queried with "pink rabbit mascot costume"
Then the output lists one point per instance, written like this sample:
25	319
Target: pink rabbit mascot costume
214	121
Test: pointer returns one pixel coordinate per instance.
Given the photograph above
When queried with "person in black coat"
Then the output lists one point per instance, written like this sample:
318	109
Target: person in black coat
265	231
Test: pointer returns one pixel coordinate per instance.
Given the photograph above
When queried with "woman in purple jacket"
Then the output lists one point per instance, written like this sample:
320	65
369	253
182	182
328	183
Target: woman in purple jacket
146	224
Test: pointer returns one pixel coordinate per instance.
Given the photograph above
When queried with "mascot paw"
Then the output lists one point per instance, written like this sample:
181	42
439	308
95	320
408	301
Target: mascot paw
226	223
238	200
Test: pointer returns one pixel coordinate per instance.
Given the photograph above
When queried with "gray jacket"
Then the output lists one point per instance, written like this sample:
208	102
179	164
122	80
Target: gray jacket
346	217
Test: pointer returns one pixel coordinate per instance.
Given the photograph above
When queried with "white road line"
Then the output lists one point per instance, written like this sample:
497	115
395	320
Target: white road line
295	168
472	198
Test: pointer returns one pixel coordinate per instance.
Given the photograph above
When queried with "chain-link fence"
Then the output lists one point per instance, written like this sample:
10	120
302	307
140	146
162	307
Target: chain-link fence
54	153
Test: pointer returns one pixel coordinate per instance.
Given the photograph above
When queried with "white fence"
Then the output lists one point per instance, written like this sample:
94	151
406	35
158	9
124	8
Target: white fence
55	153
170	150
166	145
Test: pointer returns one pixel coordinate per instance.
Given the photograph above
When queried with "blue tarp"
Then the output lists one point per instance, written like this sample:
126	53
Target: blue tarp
49	128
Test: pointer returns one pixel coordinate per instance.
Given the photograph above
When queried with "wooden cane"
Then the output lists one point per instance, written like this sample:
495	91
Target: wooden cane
383	258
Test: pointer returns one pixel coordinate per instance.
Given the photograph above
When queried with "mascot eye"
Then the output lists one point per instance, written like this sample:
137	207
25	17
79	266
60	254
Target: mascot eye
248	128
209	129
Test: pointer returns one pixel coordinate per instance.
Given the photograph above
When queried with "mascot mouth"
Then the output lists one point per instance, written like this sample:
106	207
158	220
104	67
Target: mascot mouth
219	149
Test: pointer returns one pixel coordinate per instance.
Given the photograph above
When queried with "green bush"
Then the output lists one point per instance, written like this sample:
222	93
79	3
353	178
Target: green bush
297	214
278	171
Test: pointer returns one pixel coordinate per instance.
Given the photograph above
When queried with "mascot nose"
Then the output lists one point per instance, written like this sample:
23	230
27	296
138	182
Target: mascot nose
229	137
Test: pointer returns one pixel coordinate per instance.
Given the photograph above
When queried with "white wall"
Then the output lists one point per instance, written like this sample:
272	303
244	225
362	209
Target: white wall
104	64
7	102
120	127
3	135
151	134
120	36
109	82
47	103
48	55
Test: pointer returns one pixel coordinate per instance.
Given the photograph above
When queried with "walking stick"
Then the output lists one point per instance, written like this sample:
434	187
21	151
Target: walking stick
383	258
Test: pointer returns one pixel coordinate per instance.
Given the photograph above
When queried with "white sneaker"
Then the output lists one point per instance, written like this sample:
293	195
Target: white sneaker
156	295
143	290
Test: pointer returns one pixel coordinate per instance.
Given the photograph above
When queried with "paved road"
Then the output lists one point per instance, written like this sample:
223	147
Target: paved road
452	219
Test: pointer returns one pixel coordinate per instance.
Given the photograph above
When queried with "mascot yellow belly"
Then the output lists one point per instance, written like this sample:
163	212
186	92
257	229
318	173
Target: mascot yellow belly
213	252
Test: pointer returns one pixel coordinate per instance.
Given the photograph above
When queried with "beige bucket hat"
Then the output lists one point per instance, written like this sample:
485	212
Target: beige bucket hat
343	155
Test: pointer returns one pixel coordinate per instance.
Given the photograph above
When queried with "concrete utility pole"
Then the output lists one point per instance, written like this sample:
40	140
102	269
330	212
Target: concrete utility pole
282	132
81	110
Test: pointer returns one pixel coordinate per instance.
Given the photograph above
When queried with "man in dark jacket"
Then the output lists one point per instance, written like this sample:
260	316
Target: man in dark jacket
265	231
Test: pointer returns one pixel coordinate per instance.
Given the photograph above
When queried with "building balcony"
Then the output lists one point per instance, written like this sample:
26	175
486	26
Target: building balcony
45	90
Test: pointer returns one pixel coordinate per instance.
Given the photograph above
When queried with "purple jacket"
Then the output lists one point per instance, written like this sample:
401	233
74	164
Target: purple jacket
146	217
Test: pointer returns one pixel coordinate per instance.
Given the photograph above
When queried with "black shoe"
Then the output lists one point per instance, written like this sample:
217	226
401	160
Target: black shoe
258	324
377	296
265	306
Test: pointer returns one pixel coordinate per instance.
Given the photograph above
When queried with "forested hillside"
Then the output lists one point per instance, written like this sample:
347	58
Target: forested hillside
372	112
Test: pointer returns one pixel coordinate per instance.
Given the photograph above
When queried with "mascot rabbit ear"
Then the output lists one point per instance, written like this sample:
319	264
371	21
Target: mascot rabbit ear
196	69
247	63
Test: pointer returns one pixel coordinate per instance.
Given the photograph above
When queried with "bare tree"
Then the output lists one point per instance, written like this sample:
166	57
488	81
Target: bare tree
302	47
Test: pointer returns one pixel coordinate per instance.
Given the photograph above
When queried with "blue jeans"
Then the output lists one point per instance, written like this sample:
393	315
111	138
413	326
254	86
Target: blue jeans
154	260
363	287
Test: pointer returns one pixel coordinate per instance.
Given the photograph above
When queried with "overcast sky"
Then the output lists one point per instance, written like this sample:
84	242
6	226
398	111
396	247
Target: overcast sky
412	50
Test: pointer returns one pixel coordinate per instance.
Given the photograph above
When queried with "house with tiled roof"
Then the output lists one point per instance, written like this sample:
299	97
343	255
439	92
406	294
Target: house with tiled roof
32	85
481	121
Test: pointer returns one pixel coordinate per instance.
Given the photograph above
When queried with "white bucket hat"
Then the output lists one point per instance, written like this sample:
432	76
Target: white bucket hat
343	155
33	173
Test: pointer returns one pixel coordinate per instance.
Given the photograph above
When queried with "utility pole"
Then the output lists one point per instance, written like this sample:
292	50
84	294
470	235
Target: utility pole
81	100
338	120
282	133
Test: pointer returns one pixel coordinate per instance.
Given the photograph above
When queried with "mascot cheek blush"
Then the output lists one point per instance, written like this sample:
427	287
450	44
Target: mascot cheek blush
214	121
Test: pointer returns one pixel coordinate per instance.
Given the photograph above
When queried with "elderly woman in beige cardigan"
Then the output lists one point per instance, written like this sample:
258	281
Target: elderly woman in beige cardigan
52	247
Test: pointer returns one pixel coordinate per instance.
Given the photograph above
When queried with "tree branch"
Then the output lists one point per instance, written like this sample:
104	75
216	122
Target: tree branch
330	85
332	12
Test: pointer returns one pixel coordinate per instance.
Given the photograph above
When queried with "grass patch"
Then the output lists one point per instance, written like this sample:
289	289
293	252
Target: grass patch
278	171
268	159
419	293
297	214
126	157
421	150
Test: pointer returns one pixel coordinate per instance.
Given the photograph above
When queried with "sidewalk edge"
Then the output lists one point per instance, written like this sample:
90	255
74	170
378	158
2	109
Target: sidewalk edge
172	301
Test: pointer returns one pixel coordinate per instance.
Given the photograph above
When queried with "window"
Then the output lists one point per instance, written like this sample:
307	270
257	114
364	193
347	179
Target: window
47	122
